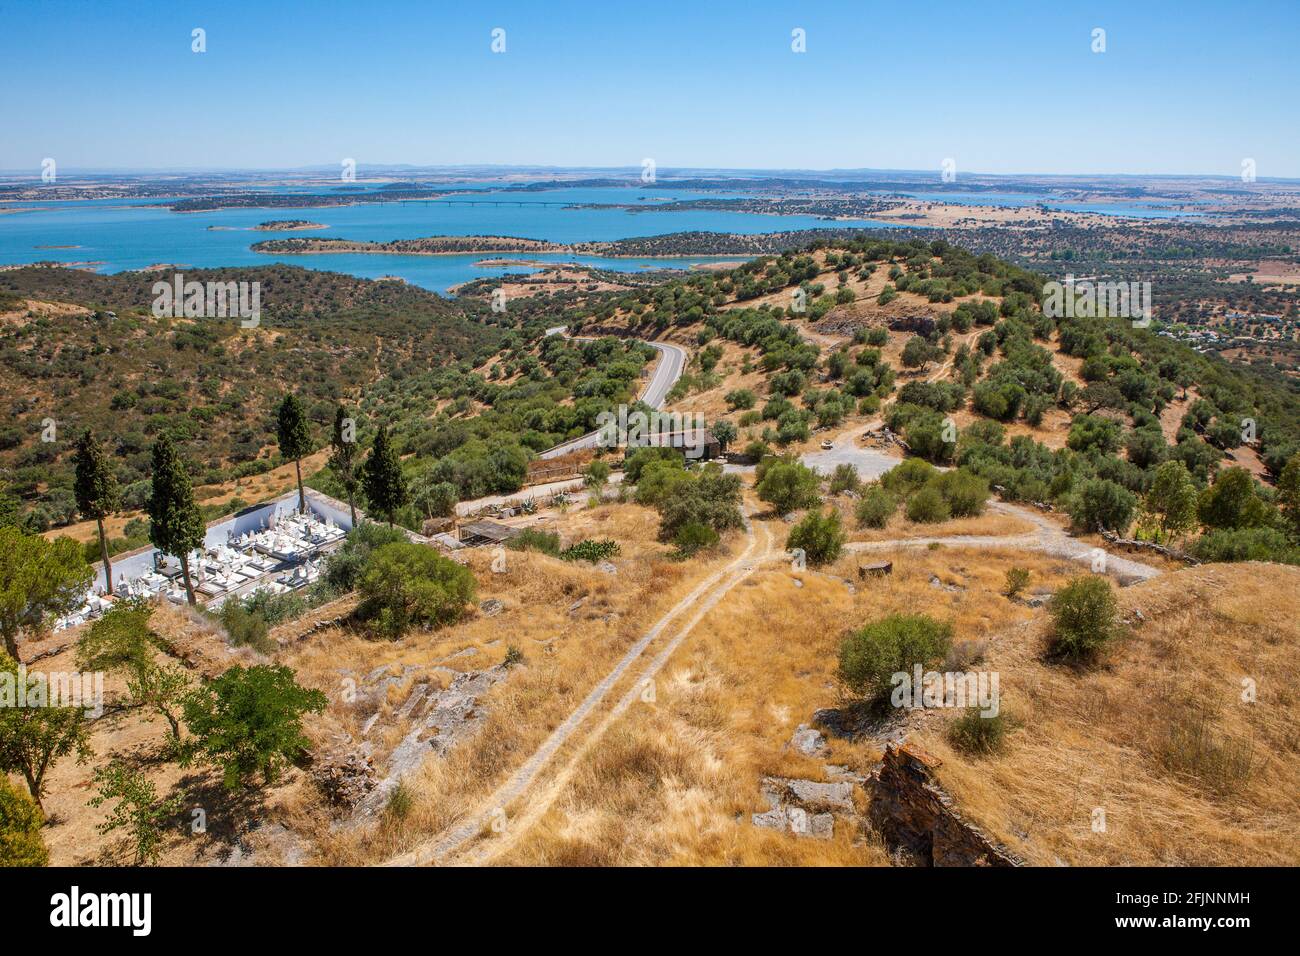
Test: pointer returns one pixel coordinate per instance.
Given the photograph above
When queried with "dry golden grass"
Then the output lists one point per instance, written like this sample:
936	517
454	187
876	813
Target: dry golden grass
1158	736
676	780
566	654
899	528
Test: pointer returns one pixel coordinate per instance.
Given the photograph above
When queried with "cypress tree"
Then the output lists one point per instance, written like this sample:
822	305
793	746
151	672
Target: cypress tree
382	478
294	437
175	523
343	459
96	491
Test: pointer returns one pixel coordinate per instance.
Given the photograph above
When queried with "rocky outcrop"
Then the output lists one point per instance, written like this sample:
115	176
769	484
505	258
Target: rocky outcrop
917	818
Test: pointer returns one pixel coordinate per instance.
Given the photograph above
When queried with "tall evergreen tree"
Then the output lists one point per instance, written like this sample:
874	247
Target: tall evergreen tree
294	437
175	523
343	458
382	478
97	492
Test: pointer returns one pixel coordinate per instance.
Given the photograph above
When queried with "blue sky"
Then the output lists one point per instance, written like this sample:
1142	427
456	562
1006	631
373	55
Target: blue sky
1183	87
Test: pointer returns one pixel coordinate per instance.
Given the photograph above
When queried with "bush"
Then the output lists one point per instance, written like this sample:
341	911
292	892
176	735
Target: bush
344	567
908	477
408	584
250	720
927	506
964	492
1017	581
693	537
712	498
1246	544
871	656
875	508
589	550
974	734
534	539
1085	618
246	628
820	537
845	478
1101	505
20	829
788	485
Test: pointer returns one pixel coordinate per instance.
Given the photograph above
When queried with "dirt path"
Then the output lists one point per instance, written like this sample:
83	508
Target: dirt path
1048	538
709	591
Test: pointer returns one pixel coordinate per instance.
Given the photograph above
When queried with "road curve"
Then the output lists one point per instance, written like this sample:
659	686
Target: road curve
672	360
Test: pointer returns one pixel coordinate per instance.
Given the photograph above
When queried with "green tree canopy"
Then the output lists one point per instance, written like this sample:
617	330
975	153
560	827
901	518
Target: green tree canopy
97	492
175	522
39	579
249	721
382	477
294	436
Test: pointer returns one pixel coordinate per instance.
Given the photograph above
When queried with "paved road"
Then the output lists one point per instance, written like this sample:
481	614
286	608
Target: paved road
672	359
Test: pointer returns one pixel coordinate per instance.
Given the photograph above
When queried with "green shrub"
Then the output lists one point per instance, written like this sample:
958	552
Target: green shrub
1017	581
845	478
246	628
590	550
344	567
1085	618
973	733
407	585
1102	505
875	508
964	492
710	498
1246	544
788	485
927	506
693	537
909	476
872	655
249	720
534	539
20	829
819	536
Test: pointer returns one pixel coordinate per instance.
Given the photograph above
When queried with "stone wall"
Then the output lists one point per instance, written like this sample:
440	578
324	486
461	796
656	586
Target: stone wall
917	818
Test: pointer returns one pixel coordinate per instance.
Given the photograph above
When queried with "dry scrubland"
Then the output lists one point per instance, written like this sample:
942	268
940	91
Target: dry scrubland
1155	733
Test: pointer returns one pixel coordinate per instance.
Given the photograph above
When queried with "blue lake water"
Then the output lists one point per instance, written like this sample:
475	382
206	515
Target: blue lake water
134	234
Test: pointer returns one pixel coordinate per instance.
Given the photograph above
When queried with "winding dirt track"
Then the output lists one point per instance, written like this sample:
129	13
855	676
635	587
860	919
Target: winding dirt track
702	598
538	790
534	790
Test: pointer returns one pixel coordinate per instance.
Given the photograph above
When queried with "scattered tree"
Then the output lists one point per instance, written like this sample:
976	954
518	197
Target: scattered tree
97	493
294	436
139	810
175	522
39	579
33	734
382	478
249	721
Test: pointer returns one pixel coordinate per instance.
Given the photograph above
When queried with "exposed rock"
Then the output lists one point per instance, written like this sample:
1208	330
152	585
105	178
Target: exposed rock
808	740
443	719
491	607
918	820
606	567
820	826
809	794
345	777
